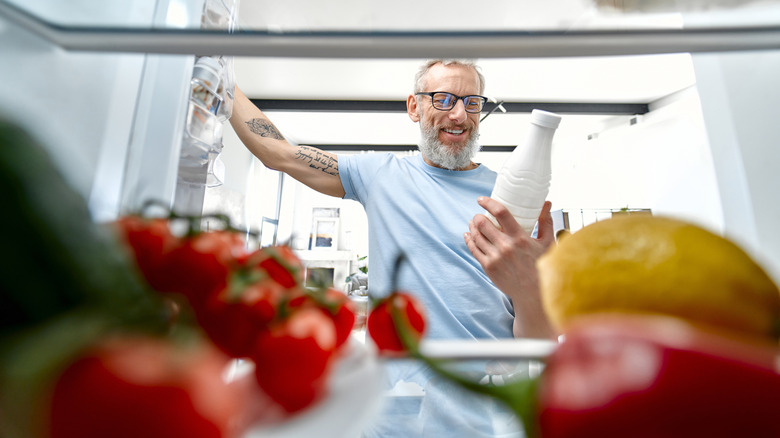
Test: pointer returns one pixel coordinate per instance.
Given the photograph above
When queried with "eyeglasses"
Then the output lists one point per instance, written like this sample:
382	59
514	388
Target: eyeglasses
443	101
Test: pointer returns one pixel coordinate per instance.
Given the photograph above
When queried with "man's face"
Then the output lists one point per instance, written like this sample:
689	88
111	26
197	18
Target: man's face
449	138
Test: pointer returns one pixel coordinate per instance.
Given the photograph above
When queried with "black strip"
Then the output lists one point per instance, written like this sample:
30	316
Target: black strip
393	147
575	108
392	106
388	106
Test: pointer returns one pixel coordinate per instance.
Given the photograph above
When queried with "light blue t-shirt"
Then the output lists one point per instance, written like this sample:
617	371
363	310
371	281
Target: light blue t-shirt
422	211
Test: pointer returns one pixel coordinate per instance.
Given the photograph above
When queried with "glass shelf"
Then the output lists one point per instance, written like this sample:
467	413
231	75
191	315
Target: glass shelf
452	16
372	29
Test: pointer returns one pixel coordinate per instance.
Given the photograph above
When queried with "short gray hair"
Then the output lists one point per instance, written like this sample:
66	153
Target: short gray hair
419	78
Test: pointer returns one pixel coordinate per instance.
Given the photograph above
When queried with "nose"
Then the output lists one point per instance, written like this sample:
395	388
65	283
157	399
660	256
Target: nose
458	113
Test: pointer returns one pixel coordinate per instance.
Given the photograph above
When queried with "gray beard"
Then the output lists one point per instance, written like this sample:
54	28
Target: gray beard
439	154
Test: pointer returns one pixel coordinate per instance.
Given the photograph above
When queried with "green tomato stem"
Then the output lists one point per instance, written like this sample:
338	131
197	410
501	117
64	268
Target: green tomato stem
519	396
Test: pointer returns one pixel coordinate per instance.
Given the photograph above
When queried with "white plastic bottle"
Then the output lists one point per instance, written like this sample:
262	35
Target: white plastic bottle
523	182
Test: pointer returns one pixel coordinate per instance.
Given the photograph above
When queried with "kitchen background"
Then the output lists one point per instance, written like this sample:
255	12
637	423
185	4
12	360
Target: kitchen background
702	145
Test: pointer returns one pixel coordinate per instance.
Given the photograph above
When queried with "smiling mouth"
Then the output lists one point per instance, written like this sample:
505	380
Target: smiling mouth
454	131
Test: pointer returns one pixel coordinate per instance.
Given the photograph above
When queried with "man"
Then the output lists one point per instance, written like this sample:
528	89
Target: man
421	206
476	281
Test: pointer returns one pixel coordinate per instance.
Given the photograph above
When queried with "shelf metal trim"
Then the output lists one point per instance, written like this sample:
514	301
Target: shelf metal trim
518	349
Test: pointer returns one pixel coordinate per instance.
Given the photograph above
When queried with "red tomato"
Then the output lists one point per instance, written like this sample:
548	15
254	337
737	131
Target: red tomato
202	264
144	387
267	280
381	327
263	299
258	289
235	316
342	310
293	358
228	326
280	263
333	303
150	240
621	375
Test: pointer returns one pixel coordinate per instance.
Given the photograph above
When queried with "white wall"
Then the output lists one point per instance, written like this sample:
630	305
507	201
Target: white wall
662	162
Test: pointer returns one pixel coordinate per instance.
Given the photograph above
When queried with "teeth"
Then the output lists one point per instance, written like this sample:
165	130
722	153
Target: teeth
454	131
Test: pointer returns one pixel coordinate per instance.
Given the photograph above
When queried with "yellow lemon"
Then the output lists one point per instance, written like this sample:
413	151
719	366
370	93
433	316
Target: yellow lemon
652	264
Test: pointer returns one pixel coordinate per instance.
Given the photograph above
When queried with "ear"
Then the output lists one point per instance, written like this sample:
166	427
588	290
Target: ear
412	108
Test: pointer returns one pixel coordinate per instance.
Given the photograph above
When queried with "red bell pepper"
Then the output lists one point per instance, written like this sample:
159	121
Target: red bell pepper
617	376
646	376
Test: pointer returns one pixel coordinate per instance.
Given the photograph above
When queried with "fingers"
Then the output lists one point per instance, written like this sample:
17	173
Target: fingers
545	218
487	242
472	246
471	243
484	228
477	242
504	218
484	239
545	232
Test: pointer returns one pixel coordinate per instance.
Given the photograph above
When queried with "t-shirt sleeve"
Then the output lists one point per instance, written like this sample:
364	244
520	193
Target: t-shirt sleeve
358	171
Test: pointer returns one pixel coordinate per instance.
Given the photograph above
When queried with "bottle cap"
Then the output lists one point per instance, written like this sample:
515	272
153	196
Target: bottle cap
545	118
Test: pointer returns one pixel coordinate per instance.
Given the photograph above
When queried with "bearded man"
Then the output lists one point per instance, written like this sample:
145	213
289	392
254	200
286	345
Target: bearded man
476	281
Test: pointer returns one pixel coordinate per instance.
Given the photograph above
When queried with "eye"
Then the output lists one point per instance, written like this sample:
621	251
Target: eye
473	103
443	100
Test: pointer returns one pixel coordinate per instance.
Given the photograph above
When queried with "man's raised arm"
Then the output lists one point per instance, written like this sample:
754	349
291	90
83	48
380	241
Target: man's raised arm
315	168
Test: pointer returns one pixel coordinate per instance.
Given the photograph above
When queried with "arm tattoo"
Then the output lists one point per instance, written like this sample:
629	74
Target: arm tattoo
264	128
318	160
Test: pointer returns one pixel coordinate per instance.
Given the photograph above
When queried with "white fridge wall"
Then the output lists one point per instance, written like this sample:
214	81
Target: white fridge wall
740	97
113	122
64	98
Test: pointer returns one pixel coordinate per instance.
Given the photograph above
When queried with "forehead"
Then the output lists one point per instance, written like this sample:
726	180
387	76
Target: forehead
458	79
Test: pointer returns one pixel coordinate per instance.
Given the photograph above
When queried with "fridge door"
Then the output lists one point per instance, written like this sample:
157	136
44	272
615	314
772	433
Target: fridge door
113	121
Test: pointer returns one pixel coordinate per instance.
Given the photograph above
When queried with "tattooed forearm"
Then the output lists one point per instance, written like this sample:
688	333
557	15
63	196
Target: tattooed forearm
318	160
264	128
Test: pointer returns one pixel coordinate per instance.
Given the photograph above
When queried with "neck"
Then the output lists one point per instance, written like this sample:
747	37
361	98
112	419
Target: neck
472	165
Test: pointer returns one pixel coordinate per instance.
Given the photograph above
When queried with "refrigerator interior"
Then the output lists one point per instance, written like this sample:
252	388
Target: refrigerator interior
704	148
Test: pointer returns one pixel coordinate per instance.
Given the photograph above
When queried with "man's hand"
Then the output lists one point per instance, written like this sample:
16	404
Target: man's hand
508	255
